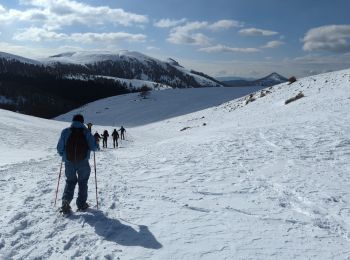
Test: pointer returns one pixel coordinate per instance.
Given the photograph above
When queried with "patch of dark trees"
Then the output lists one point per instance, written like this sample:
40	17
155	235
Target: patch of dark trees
40	92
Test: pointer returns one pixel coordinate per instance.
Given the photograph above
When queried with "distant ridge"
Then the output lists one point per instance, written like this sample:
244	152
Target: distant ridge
270	80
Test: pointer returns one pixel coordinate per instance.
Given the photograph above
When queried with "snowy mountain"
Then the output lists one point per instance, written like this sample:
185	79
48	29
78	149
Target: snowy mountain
133	65
123	64
55	85
270	80
252	178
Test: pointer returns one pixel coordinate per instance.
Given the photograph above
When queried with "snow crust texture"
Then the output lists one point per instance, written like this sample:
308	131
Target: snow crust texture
251	178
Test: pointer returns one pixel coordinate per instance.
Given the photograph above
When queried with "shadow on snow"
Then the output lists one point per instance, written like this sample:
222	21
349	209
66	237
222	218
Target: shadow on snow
115	231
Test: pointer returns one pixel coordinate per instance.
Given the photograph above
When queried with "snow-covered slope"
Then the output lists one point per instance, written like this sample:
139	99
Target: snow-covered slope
138	60
242	180
133	110
8	56
93	57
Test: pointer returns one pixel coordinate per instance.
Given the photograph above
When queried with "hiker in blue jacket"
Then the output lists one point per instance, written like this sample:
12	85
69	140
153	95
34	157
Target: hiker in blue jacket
74	146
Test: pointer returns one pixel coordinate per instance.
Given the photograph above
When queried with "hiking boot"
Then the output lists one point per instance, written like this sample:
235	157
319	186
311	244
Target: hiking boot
84	207
65	209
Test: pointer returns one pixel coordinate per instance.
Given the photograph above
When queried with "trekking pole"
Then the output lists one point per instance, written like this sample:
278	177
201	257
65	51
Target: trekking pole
58	183
95	180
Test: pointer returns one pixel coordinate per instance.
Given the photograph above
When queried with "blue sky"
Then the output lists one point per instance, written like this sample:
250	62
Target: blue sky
249	38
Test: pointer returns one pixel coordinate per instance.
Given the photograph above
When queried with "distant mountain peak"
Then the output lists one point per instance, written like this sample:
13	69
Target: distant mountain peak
276	76
270	80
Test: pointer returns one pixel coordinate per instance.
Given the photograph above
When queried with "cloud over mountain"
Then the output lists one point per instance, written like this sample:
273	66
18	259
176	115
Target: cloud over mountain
40	34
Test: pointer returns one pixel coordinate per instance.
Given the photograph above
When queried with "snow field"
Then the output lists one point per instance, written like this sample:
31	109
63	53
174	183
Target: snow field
258	181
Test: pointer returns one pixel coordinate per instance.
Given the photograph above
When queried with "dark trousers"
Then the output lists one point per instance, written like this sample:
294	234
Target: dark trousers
104	141
115	142
77	173
122	136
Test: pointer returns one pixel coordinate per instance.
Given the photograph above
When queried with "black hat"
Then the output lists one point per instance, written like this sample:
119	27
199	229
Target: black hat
78	118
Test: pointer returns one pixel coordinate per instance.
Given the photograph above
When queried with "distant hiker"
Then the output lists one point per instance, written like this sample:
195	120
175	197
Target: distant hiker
115	138
105	136
89	126
122	131
75	145
97	139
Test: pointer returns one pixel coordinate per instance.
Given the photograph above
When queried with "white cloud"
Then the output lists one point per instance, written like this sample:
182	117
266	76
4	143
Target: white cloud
107	37
152	48
186	38
272	44
223	48
192	26
59	13
40	34
35	52
224	25
257	32
334	60
167	23
2	9
187	33
333	38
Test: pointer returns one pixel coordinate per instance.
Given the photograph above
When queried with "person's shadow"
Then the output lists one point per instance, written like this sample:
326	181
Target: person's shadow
115	231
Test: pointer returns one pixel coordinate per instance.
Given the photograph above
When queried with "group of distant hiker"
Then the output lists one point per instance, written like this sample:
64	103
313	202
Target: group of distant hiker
105	136
74	146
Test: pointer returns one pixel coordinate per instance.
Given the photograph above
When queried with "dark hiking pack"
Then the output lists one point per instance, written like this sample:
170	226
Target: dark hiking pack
105	134
77	146
115	134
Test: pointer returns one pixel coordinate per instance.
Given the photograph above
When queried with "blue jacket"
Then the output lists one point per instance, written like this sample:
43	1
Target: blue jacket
61	146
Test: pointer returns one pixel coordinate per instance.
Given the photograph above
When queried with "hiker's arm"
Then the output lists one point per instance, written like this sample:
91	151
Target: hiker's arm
61	144
91	141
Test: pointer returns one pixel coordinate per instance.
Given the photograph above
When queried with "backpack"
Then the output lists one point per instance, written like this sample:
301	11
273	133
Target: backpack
77	146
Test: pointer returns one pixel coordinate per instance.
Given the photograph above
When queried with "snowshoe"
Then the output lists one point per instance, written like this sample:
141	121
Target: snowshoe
83	208
65	209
